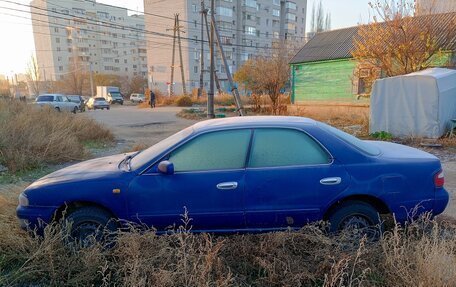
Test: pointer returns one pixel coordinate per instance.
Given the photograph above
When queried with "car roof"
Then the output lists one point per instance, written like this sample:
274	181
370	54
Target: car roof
252	121
50	95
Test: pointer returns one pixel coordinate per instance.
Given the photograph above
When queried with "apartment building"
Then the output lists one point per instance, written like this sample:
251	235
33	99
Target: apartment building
84	35
247	28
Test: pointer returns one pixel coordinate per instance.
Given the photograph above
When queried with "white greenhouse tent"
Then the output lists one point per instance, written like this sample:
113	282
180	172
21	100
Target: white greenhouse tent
419	104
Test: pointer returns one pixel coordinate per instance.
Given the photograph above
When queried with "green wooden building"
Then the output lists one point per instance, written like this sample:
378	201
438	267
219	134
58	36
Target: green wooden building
324	70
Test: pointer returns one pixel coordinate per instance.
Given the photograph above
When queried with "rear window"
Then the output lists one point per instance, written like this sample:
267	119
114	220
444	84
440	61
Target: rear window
99	99
45	99
354	141
74	99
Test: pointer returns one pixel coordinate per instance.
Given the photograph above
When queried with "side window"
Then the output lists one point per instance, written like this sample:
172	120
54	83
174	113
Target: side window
285	147
58	99
213	151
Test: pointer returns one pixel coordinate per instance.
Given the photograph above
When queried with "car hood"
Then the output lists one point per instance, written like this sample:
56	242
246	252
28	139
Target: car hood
398	151
86	170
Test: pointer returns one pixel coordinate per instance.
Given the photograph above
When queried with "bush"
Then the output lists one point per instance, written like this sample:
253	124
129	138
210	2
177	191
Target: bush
31	136
184	101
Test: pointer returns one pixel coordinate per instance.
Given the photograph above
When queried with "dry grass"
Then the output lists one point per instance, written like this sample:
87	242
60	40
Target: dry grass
424	254
353	119
30	136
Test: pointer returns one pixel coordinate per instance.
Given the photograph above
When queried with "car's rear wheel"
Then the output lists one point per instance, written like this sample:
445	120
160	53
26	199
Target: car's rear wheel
356	219
75	110
57	109
90	224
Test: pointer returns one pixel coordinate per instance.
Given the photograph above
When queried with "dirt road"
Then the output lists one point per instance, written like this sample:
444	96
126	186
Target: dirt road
147	126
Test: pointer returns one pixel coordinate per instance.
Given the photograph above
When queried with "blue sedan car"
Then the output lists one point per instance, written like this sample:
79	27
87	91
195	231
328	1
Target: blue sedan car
244	174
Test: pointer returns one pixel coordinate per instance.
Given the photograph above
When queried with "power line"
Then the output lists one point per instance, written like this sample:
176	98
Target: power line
113	25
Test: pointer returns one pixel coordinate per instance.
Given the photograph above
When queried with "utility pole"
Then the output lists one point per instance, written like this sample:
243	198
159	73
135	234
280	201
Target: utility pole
171	84
91	79
201	87
177	30
234	89
184	89
210	95
217	82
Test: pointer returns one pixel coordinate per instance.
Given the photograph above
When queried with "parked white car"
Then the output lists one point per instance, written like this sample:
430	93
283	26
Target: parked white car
137	98
57	101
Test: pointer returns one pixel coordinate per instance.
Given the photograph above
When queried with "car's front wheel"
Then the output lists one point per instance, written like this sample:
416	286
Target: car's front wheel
357	219
75	110
89	224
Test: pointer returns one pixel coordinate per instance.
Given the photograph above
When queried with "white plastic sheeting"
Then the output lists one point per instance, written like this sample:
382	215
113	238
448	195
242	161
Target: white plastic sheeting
419	104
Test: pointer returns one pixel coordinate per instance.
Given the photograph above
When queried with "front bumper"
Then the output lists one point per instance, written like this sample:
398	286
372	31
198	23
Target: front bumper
35	217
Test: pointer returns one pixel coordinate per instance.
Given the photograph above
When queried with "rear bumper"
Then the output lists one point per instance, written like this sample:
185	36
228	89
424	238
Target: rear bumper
442	198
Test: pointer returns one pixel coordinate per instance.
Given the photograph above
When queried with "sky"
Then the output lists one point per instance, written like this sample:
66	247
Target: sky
17	45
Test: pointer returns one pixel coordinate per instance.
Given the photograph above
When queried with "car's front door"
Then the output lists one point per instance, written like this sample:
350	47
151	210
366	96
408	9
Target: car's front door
208	183
287	176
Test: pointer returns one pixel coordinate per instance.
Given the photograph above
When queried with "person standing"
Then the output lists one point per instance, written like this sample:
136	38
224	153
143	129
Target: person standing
152	99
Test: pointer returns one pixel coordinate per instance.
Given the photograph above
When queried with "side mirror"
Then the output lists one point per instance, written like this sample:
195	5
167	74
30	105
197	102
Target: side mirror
166	167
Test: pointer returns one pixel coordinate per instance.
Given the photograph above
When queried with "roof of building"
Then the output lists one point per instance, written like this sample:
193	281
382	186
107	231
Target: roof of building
338	44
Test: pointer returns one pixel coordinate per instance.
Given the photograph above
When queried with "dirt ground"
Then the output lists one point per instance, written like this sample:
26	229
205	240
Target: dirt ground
133	126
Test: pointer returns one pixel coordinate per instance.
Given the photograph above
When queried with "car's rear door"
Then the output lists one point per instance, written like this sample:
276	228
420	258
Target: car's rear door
288	175
208	182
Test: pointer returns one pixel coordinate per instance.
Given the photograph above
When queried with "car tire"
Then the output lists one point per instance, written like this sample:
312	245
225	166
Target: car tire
89	223
75	110
358	218
57	109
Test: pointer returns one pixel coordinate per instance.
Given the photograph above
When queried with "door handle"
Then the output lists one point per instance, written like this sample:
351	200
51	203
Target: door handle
331	180
227	185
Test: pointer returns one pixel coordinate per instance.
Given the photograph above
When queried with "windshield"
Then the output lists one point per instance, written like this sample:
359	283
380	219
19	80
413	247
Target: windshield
360	144
150	153
115	95
45	99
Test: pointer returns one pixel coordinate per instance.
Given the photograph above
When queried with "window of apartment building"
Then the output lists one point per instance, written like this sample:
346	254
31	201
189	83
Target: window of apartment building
125	61
65	11
224	11
57	40
194	8
59	59
258	20
228	1
194	23
291	16
60	68
291	5
225	40
250	3
116	61
135	66
276	12
258	33
275	23
102	14
195	69
249	30
56	29
291	26
196	55
69	41
126	69
78	11
276	2
275	35
58	49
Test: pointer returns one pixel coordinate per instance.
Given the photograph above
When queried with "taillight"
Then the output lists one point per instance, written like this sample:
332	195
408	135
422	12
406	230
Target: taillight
439	179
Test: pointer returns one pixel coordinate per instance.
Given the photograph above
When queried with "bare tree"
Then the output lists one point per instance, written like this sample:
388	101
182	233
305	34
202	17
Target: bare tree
33	76
320	21
397	43
267	74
